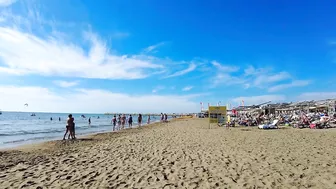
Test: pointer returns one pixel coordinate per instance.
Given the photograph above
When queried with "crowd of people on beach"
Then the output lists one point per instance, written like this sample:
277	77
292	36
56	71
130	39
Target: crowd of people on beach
121	121
299	119
118	123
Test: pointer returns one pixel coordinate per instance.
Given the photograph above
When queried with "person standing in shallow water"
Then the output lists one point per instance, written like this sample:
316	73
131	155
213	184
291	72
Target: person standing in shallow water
123	121
148	120
119	122
114	122
165	118
130	121
69	127
162	117
139	120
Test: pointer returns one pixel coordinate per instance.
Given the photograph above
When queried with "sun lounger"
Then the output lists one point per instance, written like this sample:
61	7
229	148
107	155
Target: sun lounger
269	126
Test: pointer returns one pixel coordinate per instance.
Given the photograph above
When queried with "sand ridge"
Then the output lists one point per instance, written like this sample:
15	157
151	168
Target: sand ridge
181	154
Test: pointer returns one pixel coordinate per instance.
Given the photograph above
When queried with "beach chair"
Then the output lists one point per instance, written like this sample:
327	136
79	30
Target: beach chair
270	126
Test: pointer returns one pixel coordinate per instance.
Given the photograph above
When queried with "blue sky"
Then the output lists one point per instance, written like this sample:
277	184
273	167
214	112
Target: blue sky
123	55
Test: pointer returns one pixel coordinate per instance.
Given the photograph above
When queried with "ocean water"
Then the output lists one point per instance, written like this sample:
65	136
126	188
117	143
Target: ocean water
18	128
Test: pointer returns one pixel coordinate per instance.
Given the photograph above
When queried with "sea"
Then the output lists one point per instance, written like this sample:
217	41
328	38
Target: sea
20	128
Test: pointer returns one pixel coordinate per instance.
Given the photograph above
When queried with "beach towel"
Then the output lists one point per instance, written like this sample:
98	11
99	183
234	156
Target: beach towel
312	126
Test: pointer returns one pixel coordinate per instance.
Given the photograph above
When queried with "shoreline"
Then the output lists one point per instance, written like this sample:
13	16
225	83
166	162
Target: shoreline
83	136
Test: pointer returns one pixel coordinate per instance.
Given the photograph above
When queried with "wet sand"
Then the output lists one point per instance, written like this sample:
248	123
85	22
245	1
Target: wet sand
181	154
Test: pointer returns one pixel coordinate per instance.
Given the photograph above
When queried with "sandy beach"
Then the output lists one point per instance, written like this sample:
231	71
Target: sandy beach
181	154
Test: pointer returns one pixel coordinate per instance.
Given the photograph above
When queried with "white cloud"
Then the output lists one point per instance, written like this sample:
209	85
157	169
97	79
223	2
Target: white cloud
187	88
223	75
157	89
24	53
5	3
224	68
191	68
153	47
264	79
226	79
251	70
316	96
93	101
295	83
66	84
254	100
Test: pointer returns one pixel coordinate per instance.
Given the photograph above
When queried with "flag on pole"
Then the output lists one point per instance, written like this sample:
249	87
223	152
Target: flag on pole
242	102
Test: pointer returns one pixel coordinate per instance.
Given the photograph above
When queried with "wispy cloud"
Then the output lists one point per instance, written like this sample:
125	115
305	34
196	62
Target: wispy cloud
191	68
224	68
252	71
152	48
295	83
253	100
226	79
224	75
187	88
65	84
264	79
57	53
5	3
28	54
157	89
317	96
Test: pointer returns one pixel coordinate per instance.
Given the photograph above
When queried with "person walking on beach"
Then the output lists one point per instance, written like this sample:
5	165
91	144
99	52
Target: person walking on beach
119	122
114	122
139	120
130	121
69	127
148	120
